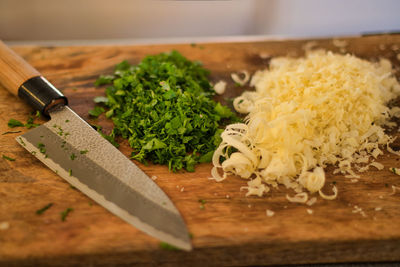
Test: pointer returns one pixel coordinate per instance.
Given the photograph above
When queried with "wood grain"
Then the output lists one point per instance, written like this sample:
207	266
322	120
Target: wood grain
232	229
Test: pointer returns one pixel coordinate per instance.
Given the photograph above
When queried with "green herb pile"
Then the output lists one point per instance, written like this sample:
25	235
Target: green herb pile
164	107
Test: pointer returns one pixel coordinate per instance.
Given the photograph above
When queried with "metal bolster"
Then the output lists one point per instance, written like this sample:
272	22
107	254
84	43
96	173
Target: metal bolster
41	94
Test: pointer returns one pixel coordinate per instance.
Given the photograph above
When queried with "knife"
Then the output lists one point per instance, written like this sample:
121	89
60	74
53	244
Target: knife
75	151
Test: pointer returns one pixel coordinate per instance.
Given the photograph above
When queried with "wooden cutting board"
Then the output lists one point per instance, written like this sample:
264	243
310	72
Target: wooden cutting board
232	229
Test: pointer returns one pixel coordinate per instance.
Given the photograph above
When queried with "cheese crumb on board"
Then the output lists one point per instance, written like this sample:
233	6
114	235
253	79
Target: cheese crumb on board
298	198
310	45
395	189
4	226
395	170
357	209
270	213
339	43
264	55
307	113
310	211
241	81
329	197
311	201
220	87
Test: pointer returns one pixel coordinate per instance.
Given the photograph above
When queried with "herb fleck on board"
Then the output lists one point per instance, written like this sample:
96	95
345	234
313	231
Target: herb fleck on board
42	210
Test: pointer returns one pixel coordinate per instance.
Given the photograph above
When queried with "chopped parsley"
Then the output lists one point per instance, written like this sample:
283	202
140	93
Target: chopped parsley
96	111
83	152
22	141
10	132
163	106
65	213
202	202
167	246
42	210
100	99
42	148
8	158
30	123
73	156
14	123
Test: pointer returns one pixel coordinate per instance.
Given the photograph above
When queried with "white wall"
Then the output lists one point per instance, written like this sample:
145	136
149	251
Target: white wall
104	19
88	19
327	17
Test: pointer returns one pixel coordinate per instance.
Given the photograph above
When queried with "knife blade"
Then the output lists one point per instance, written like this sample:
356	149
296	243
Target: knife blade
75	151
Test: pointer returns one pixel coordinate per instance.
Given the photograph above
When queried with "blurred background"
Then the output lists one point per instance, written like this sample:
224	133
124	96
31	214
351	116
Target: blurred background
31	20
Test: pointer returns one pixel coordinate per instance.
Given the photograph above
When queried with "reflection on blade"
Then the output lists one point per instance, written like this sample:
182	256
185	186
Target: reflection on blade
70	147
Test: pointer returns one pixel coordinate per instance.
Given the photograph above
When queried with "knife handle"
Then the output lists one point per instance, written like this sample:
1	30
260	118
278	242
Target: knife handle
23	80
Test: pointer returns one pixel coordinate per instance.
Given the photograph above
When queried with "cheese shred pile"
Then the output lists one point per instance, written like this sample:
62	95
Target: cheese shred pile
307	113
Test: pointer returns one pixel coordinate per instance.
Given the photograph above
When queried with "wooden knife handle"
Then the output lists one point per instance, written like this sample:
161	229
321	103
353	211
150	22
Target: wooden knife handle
23	80
14	71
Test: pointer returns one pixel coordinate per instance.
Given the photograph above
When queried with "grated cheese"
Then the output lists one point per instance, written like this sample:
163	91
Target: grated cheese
305	114
377	165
